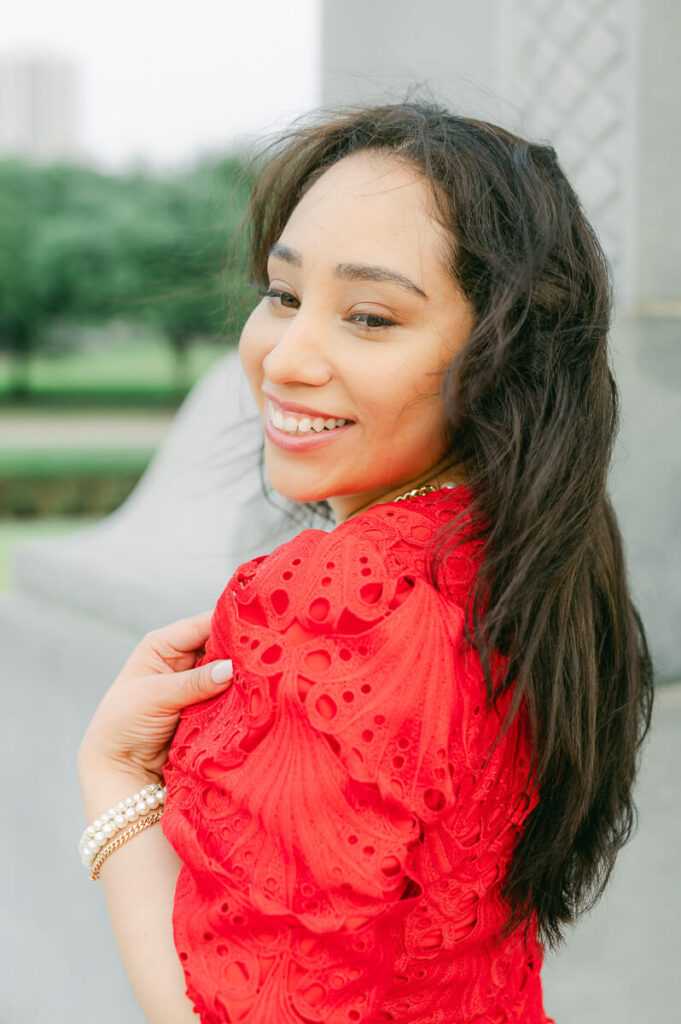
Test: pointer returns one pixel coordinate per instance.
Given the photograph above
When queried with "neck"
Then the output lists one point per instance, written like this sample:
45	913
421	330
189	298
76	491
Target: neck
437	476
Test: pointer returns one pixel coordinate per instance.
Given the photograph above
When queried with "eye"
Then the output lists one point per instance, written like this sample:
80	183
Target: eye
382	323
276	294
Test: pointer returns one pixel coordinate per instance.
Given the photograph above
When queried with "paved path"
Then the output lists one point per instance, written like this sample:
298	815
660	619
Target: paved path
621	963
40	430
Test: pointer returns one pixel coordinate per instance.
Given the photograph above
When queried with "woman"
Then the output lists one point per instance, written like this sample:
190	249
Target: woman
422	770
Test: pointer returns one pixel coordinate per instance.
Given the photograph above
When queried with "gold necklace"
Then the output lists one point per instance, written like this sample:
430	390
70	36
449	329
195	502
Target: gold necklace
418	490
425	489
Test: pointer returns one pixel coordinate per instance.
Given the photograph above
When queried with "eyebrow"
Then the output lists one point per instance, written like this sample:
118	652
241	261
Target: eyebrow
350	271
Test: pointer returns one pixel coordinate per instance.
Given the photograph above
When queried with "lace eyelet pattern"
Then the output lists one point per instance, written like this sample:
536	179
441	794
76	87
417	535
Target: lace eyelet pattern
343	833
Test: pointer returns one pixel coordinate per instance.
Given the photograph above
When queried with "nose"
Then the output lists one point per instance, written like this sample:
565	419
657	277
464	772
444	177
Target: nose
298	356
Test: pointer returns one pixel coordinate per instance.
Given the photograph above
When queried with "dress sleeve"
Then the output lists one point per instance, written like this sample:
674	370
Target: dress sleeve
297	799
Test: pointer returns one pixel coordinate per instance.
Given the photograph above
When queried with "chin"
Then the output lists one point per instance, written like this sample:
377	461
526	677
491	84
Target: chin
293	491
300	497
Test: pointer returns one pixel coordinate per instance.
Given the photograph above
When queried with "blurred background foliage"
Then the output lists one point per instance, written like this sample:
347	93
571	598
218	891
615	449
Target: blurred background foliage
117	292
89	259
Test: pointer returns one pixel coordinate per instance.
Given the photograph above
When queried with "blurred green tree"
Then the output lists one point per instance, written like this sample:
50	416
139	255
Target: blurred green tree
89	247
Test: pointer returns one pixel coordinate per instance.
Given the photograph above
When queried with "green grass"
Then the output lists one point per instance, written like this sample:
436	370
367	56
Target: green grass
143	368
56	462
13	531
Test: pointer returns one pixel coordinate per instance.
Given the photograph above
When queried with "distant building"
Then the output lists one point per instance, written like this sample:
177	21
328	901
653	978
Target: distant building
38	108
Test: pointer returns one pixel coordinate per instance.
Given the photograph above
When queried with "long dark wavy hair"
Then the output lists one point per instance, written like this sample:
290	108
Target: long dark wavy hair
532	410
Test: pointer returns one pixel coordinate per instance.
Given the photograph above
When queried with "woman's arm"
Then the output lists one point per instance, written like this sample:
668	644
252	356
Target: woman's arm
139	882
124	748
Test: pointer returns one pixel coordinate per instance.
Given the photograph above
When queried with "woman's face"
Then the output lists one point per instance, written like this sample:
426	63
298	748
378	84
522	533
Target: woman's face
347	340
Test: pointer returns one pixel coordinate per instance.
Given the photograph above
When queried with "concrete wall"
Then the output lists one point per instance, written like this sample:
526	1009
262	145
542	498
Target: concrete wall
600	82
370	50
658	213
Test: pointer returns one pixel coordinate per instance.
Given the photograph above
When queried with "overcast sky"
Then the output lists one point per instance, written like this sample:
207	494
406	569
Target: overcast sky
163	82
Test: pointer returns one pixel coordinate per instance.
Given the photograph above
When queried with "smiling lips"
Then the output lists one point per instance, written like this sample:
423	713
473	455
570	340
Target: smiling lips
299	431
300	423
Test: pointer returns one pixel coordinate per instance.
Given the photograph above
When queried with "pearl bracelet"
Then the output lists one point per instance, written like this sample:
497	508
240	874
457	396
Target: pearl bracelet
115	844
119	817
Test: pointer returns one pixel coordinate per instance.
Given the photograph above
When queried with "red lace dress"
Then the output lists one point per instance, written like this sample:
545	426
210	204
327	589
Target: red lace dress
343	841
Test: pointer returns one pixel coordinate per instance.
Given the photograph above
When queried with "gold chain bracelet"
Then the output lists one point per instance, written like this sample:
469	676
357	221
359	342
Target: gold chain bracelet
116	843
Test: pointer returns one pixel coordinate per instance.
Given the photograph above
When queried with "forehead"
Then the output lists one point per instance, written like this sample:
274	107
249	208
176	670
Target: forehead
365	205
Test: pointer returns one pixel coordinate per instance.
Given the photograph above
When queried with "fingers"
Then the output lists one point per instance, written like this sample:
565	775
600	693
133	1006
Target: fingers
181	636
196	684
172	647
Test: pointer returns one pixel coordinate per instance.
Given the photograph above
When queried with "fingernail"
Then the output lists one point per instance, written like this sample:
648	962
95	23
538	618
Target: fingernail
221	671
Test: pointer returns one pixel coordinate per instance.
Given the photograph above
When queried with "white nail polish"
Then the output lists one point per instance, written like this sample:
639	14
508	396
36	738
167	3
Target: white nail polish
221	671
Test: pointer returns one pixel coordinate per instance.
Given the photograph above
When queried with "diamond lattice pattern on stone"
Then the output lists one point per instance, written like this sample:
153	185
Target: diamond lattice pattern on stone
568	60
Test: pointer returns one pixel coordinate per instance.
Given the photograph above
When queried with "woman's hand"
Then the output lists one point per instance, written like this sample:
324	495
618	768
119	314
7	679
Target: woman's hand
132	729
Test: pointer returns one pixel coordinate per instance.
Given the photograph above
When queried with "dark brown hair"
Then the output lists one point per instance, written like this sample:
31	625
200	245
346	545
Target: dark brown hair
532	410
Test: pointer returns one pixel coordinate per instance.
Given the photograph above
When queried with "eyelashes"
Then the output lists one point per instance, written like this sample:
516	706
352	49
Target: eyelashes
384	322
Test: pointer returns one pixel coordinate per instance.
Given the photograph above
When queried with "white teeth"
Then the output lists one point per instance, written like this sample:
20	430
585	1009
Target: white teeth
304	425
277	418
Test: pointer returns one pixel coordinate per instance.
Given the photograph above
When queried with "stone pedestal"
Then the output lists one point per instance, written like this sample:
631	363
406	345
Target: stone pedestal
198	511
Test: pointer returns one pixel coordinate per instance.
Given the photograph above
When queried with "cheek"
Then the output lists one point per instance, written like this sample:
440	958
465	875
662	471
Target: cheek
252	348
413	391
417	402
